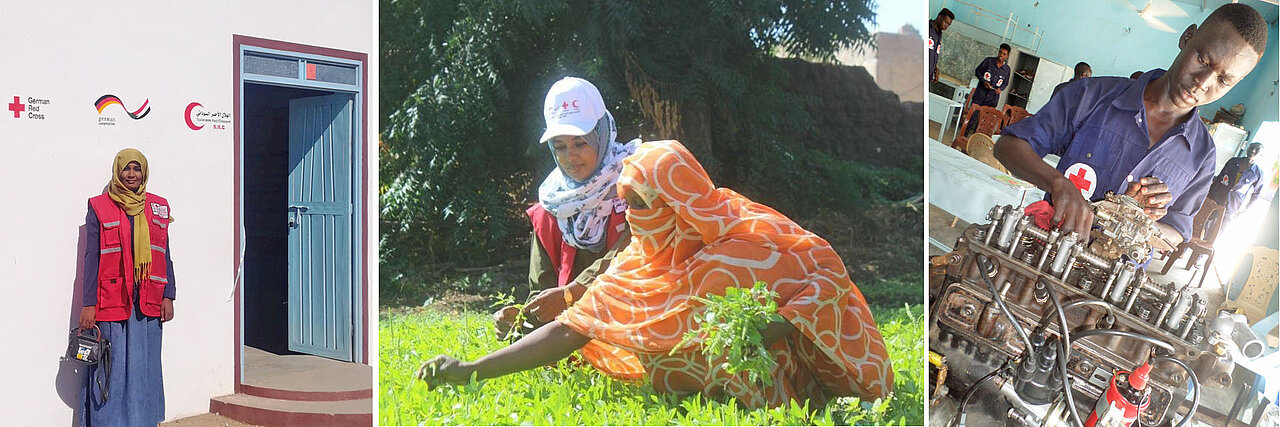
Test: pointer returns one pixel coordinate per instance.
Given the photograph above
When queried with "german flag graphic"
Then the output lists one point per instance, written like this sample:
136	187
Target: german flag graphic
108	100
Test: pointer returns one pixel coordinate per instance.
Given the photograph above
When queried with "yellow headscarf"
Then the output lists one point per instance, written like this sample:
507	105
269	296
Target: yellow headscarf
132	202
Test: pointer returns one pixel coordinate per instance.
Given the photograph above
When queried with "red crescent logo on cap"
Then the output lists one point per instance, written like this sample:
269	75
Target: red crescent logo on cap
575	103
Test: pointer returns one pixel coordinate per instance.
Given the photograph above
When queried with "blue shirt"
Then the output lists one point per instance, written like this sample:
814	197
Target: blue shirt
934	45
998	77
1237	186
1101	122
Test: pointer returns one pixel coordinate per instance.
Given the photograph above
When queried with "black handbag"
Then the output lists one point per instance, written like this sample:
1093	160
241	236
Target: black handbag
89	351
86	349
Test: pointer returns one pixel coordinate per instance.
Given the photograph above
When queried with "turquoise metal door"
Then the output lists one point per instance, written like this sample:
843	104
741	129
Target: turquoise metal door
320	226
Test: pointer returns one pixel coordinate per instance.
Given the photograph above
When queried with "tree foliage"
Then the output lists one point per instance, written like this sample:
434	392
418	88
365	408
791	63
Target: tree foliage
462	86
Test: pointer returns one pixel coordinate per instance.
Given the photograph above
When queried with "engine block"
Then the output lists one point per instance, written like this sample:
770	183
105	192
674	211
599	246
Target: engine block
1102	283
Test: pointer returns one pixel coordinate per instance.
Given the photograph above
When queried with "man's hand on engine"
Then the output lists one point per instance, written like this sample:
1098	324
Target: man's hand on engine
1071	211
1152	194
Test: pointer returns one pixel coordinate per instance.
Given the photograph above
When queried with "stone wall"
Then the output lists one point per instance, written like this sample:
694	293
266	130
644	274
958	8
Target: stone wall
856	119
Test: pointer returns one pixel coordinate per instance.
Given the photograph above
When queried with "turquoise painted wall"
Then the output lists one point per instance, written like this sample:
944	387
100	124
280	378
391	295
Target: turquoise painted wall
1116	42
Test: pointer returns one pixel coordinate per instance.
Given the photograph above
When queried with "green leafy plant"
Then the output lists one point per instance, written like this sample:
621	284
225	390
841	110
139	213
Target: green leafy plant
569	393
503	299
731	326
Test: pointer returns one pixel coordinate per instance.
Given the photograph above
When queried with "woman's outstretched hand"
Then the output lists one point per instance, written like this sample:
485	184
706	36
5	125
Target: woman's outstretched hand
444	370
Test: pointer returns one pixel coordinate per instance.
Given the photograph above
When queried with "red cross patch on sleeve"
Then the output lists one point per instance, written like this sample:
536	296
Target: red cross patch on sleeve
1084	178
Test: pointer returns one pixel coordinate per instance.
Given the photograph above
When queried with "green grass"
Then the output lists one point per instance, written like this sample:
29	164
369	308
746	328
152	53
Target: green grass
568	394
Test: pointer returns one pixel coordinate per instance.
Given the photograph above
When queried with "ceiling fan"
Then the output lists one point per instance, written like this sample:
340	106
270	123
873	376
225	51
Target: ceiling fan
1156	9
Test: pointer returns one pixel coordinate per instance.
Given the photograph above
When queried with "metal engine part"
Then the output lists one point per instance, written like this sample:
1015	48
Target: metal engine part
1231	330
1102	284
1124	229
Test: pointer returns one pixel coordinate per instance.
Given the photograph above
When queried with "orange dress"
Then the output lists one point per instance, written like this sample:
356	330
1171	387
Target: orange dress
696	239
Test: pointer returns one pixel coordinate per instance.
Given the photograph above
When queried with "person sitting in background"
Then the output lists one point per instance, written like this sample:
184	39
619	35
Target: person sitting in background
1082	71
1239	183
1139	137
936	26
579	222
993	77
693	239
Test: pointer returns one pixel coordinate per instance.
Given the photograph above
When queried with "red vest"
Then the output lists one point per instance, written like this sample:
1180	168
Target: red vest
115	258
562	254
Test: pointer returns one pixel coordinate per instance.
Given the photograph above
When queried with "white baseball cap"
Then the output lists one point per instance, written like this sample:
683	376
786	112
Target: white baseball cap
573	107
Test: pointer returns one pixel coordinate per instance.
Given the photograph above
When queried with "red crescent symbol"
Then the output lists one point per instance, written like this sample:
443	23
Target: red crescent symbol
187	116
575	103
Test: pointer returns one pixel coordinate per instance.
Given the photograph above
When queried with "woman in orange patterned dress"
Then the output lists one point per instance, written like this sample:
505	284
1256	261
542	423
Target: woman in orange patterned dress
692	239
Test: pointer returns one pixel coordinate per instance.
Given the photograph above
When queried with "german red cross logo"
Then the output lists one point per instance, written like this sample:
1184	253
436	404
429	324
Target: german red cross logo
16	107
1084	178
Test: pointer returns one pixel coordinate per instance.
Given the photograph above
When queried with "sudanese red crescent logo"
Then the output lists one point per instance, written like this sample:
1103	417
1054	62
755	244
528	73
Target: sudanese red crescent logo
187	115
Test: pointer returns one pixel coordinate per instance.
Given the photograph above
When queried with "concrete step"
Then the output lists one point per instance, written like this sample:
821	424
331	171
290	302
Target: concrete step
304	377
279	412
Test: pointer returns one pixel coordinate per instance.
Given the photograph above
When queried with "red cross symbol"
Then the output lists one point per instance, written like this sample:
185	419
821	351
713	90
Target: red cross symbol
564	106
16	107
1080	180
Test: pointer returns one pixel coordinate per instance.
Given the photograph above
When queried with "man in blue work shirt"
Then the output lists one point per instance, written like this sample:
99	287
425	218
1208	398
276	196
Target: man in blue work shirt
993	77
1239	183
1141	137
936	26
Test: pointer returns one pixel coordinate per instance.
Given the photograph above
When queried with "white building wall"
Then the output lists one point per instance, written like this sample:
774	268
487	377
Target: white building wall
170	53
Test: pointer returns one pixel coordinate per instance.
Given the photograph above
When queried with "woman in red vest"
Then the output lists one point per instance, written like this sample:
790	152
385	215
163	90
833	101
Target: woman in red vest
128	293
579	222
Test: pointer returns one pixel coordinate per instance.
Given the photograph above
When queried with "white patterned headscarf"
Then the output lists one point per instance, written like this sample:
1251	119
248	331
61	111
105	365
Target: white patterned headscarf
582	208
